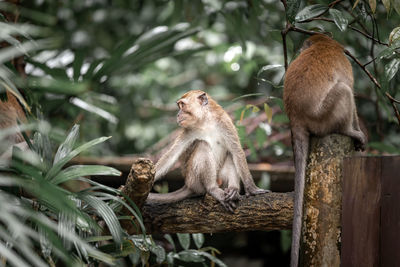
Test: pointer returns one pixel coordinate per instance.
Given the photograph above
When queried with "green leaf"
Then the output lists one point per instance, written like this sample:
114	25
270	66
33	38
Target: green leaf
170	258
391	68
11	52
213	258
159	252
184	240
285	240
384	147
66	147
268	68
57	86
310	12
372	5
57	167
198	239
292	7
394	35
396	6
340	21
94	109
170	240
76	171
388	52
190	256
261	136
57	73
356	3
386	3
278	101
77	64
108	215
268	112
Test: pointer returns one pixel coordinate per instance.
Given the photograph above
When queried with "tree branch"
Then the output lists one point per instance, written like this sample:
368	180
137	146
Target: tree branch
271	211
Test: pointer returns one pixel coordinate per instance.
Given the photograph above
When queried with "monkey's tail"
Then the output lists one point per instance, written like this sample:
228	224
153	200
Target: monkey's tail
175	196
300	139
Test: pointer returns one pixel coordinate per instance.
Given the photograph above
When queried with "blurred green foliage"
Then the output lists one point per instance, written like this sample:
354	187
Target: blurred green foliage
117	68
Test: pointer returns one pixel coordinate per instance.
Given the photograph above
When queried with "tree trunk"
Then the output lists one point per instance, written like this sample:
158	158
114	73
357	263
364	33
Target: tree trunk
322	201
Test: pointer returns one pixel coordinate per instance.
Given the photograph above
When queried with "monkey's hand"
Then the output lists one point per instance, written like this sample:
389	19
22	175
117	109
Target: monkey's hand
254	190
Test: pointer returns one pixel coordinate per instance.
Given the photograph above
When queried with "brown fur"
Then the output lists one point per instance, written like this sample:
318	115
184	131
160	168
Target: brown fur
318	98
210	150
10	113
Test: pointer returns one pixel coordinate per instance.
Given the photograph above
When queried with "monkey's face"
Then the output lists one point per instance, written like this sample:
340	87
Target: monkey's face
191	110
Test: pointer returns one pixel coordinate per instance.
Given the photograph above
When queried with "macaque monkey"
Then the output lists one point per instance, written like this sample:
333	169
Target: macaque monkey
210	152
318	99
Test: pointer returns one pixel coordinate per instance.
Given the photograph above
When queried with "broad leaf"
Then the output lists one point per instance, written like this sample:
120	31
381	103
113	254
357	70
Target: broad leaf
198	239
310	12
292	7
391	68
340	21
372	5
394	35
184	240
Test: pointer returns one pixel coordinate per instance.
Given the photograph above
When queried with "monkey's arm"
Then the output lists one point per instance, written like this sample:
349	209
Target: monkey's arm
167	161
239	160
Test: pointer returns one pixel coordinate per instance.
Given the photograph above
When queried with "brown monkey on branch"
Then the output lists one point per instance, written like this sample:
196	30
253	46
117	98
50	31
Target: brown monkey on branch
318	99
209	148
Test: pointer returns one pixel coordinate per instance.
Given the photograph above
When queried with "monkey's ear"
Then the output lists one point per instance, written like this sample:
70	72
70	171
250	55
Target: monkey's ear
203	99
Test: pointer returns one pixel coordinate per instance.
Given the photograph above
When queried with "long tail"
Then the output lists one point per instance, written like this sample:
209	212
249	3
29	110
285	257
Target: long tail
300	140
175	196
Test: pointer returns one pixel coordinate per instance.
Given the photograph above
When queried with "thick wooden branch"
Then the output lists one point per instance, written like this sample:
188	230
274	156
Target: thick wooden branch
271	211
204	214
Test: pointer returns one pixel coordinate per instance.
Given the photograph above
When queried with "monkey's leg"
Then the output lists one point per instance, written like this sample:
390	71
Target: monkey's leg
202	174
231	179
351	126
240	163
175	196
337	113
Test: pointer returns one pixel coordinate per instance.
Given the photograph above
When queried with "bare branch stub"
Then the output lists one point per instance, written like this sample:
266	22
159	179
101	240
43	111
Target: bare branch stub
140	181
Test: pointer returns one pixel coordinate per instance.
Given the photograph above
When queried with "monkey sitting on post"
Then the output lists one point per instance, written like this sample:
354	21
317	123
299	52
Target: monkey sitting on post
209	148
318	99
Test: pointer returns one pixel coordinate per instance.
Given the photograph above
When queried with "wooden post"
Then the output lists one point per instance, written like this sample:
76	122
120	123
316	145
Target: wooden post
371	217
320	245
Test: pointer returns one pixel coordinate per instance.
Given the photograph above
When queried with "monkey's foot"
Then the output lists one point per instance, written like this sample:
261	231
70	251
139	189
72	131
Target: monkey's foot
256	191
359	145
229	205
231	194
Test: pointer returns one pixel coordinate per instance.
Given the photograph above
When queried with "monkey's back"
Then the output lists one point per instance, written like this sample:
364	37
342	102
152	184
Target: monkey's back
313	73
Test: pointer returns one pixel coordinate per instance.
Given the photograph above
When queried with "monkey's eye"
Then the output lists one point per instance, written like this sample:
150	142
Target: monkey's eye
180	104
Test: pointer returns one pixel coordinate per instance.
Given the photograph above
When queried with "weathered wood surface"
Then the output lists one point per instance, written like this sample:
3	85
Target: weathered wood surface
361	212
140	181
322	201
371	217
271	211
